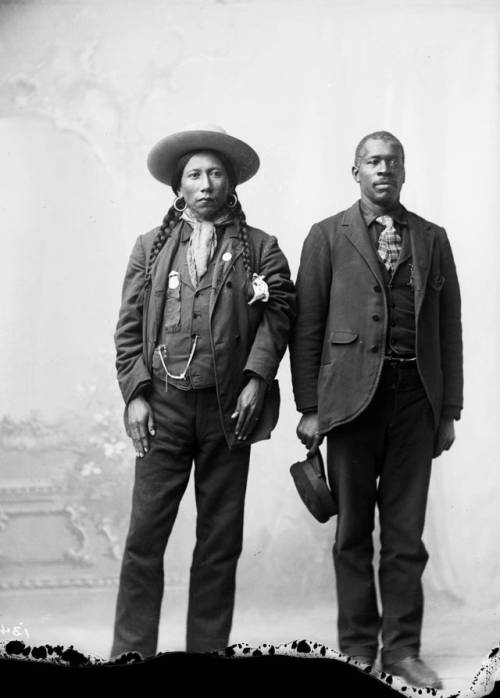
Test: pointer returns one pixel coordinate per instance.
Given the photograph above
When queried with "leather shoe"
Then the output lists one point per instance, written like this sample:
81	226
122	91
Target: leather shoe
415	672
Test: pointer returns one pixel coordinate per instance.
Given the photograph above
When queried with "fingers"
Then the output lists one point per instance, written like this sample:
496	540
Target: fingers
237	415
247	416
151	424
314	445
442	443
448	444
244	422
438	445
311	440
139	438
141	424
249	423
240	415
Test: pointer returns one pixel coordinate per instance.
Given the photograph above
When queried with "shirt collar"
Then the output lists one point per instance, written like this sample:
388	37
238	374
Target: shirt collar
398	214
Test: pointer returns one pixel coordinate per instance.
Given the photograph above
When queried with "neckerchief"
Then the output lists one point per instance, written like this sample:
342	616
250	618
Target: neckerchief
202	242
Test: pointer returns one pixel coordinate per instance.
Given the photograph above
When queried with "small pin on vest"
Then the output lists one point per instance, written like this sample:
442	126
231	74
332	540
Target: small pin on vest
227	256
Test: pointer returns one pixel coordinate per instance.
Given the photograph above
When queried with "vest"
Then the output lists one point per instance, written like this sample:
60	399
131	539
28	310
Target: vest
185	325
399	294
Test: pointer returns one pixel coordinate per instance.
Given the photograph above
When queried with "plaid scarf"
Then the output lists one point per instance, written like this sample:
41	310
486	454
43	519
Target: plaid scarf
389	243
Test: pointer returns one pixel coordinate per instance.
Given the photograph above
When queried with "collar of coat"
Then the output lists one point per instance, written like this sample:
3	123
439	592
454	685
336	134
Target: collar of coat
422	239
398	214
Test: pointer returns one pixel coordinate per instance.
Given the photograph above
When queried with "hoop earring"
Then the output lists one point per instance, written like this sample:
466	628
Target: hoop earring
176	204
232	200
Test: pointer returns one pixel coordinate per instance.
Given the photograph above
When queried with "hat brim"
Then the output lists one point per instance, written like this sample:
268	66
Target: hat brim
310	481
164	156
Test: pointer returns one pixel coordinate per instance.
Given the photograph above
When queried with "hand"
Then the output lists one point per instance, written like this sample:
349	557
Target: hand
140	421
308	432
445	436
249	407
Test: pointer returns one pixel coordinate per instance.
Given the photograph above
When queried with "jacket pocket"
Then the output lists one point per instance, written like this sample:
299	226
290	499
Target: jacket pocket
343	337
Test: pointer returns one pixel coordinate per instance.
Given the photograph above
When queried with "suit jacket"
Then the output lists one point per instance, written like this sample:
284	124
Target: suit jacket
338	342
243	338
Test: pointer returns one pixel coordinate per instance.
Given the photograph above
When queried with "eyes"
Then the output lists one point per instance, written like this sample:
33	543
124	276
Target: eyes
393	163
214	173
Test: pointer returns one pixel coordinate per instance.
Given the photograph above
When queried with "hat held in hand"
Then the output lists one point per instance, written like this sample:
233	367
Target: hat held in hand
310	481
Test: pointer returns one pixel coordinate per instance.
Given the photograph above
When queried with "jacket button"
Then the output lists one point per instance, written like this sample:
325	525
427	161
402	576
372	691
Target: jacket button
376	317
229	284
374	349
377	288
393	323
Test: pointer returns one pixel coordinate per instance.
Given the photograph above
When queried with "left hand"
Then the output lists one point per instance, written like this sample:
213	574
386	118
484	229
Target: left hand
445	436
248	407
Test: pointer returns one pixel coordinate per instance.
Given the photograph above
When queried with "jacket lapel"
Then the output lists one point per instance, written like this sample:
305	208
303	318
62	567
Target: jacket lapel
354	228
160	274
422	242
227	255
405	248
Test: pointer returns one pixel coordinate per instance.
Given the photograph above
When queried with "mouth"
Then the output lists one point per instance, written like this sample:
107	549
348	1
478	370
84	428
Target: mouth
205	200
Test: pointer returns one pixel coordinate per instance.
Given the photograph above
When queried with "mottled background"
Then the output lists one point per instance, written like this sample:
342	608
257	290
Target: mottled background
85	89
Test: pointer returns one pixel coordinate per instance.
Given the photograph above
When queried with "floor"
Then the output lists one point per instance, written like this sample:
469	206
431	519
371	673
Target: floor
455	641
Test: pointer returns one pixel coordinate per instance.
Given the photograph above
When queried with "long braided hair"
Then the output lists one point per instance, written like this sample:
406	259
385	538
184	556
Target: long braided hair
241	222
173	217
170	220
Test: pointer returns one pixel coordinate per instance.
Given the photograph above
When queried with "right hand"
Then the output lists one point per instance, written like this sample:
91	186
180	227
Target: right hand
140	421
308	432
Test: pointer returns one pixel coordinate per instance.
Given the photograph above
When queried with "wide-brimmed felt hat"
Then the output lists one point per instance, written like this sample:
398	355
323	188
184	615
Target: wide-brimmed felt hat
310	481
164	156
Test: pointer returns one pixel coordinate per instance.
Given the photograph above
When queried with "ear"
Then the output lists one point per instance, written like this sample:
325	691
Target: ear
355	173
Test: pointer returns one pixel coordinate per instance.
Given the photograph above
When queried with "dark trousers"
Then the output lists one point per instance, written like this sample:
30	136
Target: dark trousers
188	429
382	458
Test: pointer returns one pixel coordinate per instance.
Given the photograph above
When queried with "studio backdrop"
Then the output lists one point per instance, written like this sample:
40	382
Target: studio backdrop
85	90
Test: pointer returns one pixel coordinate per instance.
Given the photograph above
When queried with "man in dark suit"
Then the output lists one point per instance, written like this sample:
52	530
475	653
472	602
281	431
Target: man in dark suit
376	358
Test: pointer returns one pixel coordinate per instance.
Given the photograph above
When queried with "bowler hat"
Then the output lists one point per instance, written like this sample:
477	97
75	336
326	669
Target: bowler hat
164	156
310	481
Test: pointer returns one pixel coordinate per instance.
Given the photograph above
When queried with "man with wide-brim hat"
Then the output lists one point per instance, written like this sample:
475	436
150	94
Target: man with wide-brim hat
206	312
164	156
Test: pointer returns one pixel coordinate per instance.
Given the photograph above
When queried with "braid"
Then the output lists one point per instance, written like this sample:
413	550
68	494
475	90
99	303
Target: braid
243	236
169	222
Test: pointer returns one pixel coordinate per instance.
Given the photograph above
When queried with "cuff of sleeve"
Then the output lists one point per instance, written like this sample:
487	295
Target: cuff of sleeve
141	389
451	412
254	374
308	410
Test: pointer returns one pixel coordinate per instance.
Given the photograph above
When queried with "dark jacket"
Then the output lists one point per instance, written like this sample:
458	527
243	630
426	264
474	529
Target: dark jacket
337	345
243	338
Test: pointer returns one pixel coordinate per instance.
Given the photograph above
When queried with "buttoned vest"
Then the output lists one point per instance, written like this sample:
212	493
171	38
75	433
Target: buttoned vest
399	293
185	326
